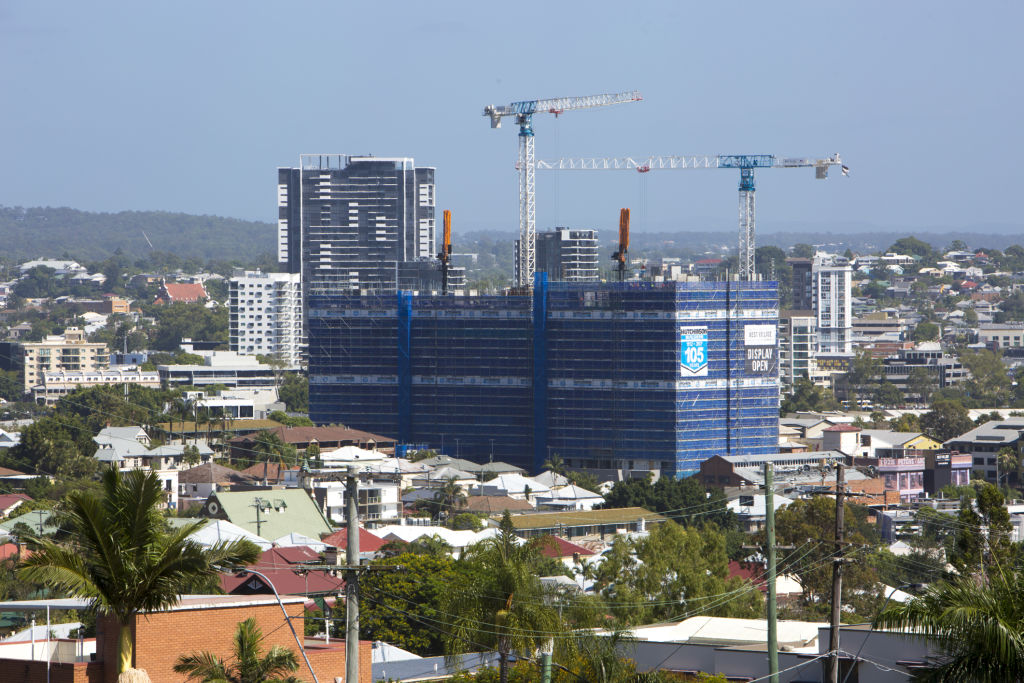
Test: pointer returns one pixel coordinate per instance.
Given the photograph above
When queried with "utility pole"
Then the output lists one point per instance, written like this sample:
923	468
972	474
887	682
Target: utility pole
258	504
837	576
769	526
352	577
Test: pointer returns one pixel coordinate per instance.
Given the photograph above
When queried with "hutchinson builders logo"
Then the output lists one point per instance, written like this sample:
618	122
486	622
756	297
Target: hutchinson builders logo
693	351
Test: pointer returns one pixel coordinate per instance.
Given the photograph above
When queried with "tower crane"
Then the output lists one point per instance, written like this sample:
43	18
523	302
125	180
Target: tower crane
746	163
523	113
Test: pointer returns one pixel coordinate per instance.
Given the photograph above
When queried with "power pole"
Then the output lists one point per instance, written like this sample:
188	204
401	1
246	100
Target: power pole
769	526
352	577
258	504
837	576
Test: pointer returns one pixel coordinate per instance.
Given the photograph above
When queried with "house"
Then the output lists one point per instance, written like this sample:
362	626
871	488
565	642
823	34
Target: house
283	570
179	292
369	543
494	505
568	553
197	483
326	438
380	498
601	523
269	514
514	486
9	502
790	468
569	497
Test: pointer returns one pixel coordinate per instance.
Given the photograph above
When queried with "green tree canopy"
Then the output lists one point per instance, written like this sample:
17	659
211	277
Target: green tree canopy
684	500
946	419
670	572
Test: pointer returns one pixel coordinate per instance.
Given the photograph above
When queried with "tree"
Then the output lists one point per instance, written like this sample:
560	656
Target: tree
118	553
294	391
271	446
62	447
683	500
807	396
555	464
888	394
671	571
250	664
1007	463
926	331
808	525
977	626
425	581
449	496
502	606
921	384
908	422
802	250
989	384
913	247
946	419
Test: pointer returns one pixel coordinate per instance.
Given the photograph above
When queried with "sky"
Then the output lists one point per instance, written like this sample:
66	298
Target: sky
192	105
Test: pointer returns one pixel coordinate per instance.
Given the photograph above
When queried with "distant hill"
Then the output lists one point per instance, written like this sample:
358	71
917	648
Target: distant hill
83	235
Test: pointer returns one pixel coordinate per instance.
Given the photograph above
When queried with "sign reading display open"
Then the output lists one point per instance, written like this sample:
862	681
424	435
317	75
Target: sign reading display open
761	354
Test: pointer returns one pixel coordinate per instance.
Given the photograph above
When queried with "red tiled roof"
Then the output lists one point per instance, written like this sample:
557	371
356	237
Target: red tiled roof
842	428
368	543
553	546
287	556
286	581
8	472
180	291
271	470
748	571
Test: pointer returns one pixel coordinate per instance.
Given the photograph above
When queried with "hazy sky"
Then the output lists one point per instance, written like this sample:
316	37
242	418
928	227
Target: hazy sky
191	105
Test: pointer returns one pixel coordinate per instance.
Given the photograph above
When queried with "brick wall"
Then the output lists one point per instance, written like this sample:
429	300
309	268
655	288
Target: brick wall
35	672
162	637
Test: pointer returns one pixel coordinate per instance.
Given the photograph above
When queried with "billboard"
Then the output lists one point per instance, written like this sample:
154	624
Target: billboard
760	350
693	351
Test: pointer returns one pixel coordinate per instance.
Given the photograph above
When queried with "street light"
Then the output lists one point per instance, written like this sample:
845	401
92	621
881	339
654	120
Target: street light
287	618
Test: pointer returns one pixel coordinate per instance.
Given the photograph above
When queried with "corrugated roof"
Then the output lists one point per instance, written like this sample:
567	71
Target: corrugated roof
368	543
299	514
212	473
552	520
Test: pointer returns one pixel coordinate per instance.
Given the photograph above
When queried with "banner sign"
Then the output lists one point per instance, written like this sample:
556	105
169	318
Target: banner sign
760	351
693	351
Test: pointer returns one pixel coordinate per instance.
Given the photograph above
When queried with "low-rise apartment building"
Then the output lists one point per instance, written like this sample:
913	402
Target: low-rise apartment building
70	352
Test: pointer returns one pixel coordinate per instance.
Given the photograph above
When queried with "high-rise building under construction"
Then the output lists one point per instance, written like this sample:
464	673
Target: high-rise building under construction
629	377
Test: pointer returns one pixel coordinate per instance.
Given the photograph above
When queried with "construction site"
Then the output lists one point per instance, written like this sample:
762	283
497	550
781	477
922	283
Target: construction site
623	378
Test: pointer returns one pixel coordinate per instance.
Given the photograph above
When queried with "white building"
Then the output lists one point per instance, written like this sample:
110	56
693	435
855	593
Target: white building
62	382
266	315
831	282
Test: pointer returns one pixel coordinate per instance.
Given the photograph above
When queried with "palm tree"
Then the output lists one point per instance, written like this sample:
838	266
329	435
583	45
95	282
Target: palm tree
449	496
555	464
503	606
1006	462
979	627
119	553
250	664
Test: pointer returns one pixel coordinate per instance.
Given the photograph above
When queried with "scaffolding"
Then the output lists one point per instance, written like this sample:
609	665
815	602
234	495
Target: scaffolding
591	372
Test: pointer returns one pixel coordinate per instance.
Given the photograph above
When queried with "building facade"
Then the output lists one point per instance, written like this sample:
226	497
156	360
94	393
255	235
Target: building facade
265	315
68	352
59	383
622	377
832	303
354	223
798	340
566	255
